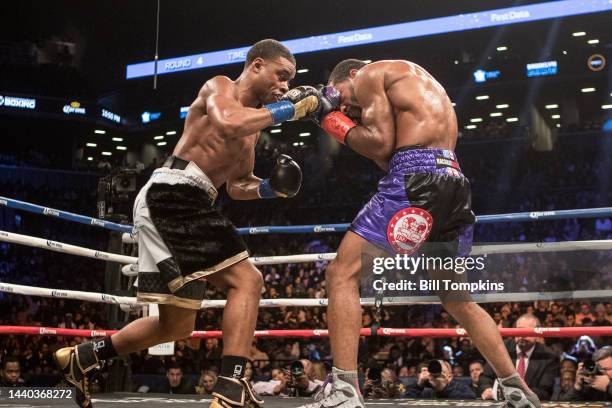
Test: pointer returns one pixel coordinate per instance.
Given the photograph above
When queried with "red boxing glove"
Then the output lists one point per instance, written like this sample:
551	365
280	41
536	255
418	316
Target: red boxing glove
337	125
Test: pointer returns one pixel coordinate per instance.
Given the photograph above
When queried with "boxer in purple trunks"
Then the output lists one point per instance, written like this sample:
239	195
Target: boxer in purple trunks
395	113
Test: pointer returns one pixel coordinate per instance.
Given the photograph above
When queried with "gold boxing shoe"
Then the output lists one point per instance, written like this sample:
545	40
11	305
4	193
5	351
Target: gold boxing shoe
76	365
233	392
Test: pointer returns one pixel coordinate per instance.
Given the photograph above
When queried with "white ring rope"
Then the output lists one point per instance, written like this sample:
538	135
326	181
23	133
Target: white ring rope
389	301
68	294
64	248
592	245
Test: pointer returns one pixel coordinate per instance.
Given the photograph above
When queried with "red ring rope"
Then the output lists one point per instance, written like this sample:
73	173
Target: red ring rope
386	332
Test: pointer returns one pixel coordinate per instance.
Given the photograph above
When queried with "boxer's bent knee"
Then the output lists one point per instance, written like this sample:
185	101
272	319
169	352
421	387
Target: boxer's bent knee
255	280
339	274
243	276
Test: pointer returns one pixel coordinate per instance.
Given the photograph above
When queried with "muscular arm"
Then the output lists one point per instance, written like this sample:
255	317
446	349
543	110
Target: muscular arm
242	184
374	138
231	119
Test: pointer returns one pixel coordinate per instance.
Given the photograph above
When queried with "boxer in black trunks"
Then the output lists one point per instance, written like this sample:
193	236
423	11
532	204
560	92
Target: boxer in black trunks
397	114
183	239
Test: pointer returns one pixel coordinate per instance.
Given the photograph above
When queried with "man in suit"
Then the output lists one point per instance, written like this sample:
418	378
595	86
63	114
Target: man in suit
535	363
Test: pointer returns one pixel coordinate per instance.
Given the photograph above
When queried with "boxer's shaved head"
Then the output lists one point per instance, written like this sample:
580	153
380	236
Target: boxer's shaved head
268	49
343	69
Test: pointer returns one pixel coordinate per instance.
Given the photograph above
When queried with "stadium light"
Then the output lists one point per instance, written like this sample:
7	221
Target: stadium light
171	132
161	143
117	139
552	106
100	132
512	120
578	34
495	114
276	130
107	154
482	97
158	137
91	145
302	71
502	106
476	120
121	148
587	90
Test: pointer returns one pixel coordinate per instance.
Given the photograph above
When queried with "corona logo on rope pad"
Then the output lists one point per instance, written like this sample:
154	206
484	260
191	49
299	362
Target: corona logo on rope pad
258	230
98	223
322	228
50	211
541	330
408	229
537	214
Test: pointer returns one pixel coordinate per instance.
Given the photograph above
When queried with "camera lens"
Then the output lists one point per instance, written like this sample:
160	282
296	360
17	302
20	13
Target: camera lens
435	368
297	368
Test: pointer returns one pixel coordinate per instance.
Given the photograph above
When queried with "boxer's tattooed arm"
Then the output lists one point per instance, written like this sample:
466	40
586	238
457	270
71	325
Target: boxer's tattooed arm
374	138
227	115
244	188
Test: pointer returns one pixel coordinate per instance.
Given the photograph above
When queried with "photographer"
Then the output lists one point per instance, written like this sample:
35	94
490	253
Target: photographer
298	381
593	378
437	381
381	384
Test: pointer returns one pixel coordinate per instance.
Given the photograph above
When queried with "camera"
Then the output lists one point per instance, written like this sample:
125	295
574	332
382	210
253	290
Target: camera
116	193
374	374
590	368
435	368
297	368
298	382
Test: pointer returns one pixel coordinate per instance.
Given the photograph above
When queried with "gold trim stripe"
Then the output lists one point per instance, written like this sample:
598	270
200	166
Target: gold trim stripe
169	300
179	282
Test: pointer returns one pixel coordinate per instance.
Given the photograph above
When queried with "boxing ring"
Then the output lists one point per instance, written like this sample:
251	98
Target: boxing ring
116	400
129	269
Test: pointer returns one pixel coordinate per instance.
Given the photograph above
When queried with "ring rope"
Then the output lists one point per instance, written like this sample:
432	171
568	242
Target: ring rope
64	248
386	332
307	302
590	245
300	229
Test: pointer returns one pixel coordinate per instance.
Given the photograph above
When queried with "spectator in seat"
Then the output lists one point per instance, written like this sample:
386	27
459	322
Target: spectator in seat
174	382
535	363
207	382
11	373
568	377
476	368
